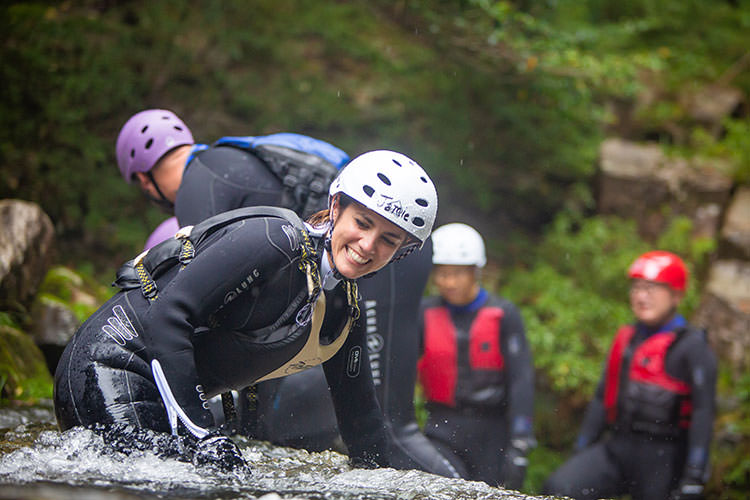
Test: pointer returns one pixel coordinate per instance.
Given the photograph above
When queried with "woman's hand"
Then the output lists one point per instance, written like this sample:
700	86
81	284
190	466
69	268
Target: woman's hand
219	452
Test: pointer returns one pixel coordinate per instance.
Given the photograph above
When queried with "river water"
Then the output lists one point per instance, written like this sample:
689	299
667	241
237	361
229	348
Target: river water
37	462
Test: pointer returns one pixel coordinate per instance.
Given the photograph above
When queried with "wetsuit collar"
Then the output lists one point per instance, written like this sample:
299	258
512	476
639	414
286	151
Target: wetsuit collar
472	306
677	321
328	275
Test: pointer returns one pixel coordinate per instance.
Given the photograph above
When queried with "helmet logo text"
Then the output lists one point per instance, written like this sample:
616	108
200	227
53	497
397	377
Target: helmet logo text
394	207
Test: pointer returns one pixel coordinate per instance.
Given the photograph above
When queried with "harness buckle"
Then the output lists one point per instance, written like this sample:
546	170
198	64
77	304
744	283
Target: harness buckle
148	285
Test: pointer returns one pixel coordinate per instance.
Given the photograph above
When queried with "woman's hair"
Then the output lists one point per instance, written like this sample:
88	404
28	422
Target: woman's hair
323	217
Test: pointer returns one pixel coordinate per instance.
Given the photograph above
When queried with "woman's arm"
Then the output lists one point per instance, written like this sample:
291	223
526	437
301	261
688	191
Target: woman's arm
248	248
359	416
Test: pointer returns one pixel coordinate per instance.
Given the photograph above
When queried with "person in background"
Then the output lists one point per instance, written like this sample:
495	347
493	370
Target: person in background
647	431
476	367
156	150
163	231
247	295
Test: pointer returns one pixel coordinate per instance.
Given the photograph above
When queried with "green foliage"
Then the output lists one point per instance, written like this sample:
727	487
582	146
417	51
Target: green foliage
733	146
574	296
731	446
23	372
73	73
6	319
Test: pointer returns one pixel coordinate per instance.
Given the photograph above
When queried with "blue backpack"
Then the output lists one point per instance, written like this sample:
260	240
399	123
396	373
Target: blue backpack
305	166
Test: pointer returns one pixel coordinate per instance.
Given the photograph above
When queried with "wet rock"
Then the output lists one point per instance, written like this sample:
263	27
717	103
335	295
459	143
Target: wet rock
735	234
22	366
26	239
63	301
639	181
53	326
725	312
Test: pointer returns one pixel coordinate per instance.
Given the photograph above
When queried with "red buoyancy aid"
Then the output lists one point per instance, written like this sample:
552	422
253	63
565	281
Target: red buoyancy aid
647	371
438	366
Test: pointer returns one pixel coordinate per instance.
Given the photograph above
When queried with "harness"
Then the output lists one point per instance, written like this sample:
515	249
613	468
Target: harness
143	271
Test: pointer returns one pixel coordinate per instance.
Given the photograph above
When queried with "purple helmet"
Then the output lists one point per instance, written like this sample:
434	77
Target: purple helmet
163	232
146	137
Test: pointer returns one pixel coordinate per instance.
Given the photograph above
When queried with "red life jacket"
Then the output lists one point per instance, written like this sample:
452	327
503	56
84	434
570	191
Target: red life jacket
438	366
653	399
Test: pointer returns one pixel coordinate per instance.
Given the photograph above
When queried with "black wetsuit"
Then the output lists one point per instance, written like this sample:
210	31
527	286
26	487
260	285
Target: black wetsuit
295	410
621	453
389	306
486	409
229	317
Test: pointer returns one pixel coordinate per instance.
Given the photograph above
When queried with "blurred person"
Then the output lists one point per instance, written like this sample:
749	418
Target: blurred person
476	367
648	429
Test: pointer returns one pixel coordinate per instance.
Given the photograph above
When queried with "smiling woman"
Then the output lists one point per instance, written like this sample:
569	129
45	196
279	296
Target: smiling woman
383	206
245	296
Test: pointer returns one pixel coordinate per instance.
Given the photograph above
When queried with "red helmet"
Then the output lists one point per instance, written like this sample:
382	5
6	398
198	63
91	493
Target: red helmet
661	267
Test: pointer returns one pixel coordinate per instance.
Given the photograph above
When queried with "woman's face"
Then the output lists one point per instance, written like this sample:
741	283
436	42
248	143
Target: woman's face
362	241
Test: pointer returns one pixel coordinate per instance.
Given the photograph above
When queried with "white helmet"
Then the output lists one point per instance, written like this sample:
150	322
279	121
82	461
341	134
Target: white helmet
393	186
458	244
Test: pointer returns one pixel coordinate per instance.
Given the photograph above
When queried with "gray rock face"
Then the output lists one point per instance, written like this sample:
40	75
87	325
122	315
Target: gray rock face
54	324
735	234
638	180
26	239
725	311
711	104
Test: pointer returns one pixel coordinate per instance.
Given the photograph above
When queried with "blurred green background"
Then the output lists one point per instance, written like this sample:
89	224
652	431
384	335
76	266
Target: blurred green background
504	103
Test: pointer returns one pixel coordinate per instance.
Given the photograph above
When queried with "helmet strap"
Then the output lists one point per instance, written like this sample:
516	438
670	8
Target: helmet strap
327	244
162	201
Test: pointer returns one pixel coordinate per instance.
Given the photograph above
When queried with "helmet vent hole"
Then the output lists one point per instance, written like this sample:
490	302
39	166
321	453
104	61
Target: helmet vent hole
369	191
396	162
149	143
418	221
132	153
421	202
143	130
424	179
384	179
178	128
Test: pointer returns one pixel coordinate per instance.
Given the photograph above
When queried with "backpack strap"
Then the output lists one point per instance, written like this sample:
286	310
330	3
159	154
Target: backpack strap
143	270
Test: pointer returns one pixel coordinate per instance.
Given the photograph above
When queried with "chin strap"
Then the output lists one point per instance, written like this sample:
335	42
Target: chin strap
162	201
327	245
352	291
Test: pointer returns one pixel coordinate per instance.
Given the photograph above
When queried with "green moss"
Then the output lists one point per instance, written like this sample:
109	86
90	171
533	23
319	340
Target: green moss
23	372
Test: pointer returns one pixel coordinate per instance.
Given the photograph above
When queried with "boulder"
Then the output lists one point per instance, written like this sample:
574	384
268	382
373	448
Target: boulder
22	366
711	104
735	233
638	181
725	312
52	328
26	240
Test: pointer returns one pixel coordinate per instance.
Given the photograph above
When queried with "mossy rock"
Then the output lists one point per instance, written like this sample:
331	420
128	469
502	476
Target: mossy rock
23	371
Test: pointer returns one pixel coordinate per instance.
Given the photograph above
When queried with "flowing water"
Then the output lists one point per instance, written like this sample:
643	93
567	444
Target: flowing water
37	462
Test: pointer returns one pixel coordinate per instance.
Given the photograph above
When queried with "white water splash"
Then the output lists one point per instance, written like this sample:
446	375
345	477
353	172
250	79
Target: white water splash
78	461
